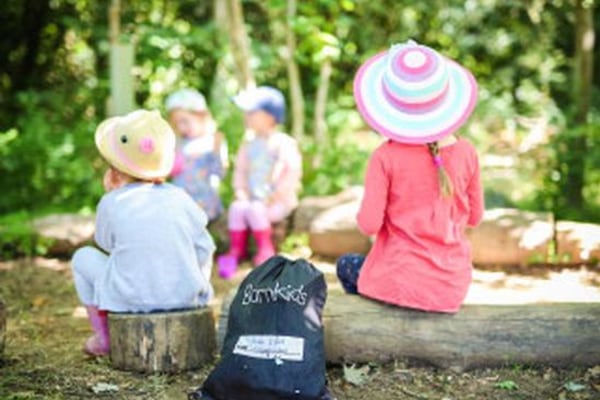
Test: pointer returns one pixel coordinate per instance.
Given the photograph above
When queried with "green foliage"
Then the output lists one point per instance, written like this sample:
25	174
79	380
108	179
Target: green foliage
560	158
340	167
42	164
18	237
54	87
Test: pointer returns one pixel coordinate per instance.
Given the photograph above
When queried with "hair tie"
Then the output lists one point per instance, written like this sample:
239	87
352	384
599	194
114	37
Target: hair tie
437	160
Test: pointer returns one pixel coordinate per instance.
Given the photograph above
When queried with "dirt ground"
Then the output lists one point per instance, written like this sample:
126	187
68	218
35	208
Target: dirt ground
46	329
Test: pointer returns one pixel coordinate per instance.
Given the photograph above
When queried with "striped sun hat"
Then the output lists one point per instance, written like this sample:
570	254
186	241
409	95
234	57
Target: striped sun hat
413	94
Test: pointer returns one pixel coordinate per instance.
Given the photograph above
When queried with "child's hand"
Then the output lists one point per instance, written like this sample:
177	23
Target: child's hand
272	199
241	195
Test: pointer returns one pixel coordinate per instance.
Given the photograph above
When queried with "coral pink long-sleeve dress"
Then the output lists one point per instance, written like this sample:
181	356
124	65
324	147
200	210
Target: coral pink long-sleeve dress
421	257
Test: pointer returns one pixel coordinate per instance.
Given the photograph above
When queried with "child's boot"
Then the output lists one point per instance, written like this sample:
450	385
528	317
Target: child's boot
228	263
264	246
99	343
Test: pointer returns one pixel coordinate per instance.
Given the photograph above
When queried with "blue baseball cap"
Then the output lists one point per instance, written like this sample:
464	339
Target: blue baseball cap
265	98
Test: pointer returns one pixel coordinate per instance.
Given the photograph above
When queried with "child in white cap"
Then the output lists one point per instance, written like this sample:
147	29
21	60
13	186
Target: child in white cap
154	252
267	176
201	157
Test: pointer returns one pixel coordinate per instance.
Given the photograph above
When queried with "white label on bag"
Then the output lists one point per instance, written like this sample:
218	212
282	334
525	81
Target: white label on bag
271	347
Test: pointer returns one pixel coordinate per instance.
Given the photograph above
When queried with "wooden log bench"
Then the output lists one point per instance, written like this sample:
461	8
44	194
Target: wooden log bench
2	327
361	330
162	342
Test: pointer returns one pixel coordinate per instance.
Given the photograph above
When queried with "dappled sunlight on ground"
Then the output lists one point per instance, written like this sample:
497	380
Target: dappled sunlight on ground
508	286
567	285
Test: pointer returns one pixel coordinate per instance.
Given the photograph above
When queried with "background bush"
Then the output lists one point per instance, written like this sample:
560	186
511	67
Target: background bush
54	88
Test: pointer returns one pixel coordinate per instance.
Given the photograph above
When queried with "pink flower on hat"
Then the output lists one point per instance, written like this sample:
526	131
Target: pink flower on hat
140	144
146	145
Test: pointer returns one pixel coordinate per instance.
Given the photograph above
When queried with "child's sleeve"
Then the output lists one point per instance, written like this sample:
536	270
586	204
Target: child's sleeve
203	242
221	156
475	193
287	173
104	236
374	203
223	151
240	171
205	248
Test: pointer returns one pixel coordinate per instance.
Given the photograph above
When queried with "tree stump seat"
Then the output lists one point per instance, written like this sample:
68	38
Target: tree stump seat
170	341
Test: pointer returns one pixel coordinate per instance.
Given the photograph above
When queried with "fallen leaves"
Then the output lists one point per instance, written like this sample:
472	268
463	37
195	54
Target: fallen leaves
356	376
104	388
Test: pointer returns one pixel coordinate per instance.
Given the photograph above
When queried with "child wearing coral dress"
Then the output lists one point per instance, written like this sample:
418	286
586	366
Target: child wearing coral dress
422	187
154	252
267	176
201	157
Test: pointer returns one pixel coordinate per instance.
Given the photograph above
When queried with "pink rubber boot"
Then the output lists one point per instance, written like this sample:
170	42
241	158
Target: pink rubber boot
99	343
264	246
228	263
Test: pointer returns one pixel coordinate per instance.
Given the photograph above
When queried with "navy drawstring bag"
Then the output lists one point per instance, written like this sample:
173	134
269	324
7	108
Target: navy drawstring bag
273	348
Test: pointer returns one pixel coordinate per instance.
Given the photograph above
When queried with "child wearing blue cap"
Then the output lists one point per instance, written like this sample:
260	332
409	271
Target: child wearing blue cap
266	179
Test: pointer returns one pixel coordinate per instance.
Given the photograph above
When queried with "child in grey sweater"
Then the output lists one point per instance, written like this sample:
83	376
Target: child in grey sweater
156	252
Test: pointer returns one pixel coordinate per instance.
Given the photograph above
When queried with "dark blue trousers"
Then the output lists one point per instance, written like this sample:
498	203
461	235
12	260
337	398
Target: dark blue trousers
348	269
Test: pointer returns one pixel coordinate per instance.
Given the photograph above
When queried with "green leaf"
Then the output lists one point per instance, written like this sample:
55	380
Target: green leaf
507	385
574	386
355	375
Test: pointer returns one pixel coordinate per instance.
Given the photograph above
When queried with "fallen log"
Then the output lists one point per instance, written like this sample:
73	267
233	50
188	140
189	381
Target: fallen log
162	342
64	233
310	207
334	232
557	334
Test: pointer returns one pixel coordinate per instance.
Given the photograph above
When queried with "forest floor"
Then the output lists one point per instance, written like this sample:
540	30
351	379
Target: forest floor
46	329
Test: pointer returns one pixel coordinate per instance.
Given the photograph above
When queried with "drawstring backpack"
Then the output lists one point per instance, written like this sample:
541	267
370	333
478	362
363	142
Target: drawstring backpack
273	348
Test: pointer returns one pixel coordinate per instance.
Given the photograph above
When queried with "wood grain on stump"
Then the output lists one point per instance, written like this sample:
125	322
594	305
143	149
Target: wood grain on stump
361	330
162	342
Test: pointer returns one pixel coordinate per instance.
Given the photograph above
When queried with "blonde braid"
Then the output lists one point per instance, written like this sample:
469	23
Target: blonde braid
446	187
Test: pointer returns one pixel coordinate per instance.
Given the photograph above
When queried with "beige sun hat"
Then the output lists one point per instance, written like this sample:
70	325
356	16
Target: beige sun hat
140	144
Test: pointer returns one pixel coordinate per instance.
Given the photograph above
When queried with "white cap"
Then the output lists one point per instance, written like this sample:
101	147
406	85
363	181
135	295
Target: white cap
186	99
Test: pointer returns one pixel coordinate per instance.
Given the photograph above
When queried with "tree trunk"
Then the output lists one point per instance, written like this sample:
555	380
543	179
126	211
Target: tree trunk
2	327
584	58
35	16
296	95
114	21
121	58
321	108
361	330
162	342
239	40
583	80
